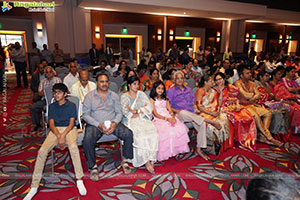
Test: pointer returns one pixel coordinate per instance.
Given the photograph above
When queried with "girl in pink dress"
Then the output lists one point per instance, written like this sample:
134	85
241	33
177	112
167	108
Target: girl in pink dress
173	134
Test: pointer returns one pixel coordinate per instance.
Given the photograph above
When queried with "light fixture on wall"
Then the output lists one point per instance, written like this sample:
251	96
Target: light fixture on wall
288	38
218	37
247	37
39	27
171	33
159	32
97	32
280	39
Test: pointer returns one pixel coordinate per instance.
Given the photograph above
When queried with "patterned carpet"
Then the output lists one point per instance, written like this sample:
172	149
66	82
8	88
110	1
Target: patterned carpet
183	177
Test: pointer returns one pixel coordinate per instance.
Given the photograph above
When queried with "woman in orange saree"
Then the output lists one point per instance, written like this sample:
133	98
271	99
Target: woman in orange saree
242	124
207	103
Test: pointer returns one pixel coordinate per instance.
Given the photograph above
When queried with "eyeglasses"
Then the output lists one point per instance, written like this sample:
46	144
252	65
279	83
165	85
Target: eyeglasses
47	72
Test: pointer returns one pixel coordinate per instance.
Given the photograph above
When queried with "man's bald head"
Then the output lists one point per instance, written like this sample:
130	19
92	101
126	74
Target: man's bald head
84	77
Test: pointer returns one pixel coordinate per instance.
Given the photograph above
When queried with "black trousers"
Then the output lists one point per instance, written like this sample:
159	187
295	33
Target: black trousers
93	134
21	69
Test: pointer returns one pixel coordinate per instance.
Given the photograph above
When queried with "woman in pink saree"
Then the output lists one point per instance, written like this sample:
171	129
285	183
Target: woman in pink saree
289	90
242	125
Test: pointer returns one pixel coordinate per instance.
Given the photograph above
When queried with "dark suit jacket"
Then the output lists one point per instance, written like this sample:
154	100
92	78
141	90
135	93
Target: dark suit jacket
34	86
35	82
92	56
210	59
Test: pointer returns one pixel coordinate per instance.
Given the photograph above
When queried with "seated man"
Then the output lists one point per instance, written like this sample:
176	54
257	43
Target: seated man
49	81
82	87
249	96
36	78
72	77
99	68
102	113
183	101
112	67
62	116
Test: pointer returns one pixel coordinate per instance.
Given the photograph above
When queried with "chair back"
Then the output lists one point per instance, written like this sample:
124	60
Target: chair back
195	89
48	96
74	99
147	92
113	87
118	80
62	75
190	82
63	70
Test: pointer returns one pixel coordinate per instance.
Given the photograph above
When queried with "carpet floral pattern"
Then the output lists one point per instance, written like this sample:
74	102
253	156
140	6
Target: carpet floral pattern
185	176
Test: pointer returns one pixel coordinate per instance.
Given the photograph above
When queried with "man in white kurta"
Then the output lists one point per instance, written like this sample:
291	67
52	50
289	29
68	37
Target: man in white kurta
82	87
72	77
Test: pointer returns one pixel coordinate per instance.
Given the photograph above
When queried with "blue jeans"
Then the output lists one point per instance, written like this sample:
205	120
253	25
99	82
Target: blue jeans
93	134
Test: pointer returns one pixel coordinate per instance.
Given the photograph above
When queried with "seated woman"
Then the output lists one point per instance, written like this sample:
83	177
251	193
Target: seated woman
122	70
170	82
288	89
137	111
154	76
280	111
207	103
242	124
276	76
173	134
124	86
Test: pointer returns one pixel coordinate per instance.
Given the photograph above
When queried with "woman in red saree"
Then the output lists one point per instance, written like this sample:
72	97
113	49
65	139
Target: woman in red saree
242	124
280	123
288	89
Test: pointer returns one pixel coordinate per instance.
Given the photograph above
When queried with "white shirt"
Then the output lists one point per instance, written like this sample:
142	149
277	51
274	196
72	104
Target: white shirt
112	69
69	80
196	69
270	67
298	80
80	91
235	76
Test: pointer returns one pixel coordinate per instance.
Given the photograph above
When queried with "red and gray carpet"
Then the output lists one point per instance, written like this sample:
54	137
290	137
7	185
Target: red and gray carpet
183	177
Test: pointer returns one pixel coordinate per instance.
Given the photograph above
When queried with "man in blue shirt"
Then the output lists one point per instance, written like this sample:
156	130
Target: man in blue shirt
62	116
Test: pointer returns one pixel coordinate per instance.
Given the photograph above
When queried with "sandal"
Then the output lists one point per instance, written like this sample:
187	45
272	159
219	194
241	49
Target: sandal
149	167
126	168
201	154
94	174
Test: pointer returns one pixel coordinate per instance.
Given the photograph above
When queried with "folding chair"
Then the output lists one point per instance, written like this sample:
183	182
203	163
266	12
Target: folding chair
190	82
113	87
118	80
48	96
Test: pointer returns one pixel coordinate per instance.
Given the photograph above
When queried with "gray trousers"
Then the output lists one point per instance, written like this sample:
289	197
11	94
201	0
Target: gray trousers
198	123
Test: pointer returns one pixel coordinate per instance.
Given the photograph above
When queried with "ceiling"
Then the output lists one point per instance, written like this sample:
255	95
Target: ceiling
213	9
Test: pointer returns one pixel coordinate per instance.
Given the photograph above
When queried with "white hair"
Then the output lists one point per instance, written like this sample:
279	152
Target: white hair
176	73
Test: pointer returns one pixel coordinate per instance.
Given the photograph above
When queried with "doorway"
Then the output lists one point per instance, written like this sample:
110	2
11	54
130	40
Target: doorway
122	43
258	45
292	48
193	42
8	39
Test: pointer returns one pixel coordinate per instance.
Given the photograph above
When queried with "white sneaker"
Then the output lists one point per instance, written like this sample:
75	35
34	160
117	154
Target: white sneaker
30	194
81	188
